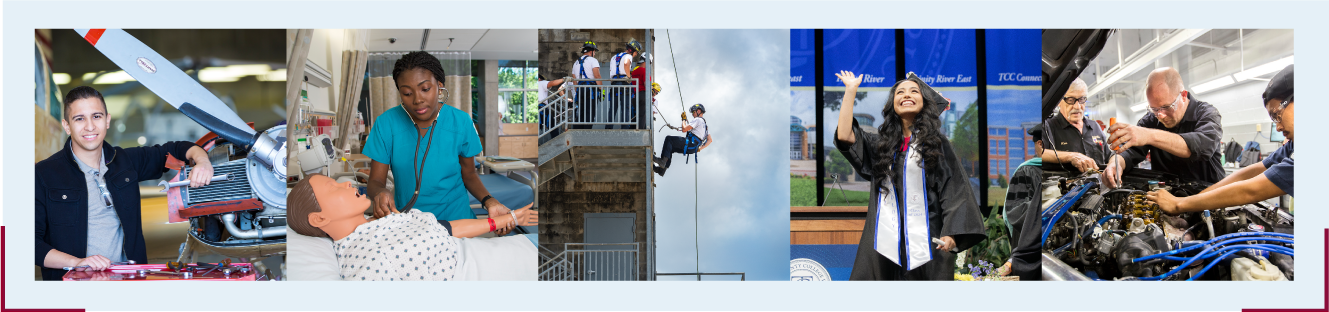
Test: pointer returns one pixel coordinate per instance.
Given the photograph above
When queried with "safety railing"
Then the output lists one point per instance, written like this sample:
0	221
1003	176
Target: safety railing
554	268
593	262
590	102
741	275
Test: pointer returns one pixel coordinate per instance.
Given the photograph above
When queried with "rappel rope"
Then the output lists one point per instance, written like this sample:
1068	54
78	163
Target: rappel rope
674	63
696	225
666	120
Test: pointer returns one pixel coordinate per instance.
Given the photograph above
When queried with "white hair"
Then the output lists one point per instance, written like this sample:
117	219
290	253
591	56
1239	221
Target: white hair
1078	84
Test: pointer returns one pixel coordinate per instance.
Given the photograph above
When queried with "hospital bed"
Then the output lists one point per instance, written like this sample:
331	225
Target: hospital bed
513	257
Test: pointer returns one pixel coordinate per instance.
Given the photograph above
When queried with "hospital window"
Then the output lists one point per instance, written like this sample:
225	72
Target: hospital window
1001	166
517	91
992	146
994	170
1001	147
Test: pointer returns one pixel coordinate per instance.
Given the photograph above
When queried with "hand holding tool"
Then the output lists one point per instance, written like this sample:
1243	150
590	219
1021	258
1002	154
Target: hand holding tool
168	185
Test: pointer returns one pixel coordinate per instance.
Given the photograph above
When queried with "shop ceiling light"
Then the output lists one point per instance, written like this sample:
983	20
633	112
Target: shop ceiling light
117	77
1223	81
1267	68
249	69
217	74
60	78
89	76
1140	107
276	75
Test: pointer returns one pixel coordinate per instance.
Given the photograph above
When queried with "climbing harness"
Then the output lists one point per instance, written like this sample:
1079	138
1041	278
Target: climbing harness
692	144
618	69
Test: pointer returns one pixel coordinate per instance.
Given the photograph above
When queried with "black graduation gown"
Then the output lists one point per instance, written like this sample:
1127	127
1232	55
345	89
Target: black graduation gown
1023	201
952	212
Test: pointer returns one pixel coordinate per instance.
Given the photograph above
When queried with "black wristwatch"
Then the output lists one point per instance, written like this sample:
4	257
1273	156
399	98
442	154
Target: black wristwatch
485	200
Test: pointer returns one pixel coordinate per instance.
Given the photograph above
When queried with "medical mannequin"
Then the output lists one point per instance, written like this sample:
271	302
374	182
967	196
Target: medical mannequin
400	246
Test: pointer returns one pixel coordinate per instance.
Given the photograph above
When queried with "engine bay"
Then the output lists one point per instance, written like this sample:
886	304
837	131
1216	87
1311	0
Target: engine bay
1090	232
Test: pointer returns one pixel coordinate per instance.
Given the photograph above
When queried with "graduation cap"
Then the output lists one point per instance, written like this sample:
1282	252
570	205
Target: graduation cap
1036	133
927	91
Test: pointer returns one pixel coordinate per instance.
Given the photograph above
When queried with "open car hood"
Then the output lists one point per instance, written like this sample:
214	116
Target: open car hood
1066	52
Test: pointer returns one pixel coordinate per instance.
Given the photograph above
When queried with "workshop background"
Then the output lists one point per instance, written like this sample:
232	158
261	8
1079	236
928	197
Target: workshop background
1228	68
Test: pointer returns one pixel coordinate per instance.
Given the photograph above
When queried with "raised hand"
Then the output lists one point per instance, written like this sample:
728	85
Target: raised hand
850	81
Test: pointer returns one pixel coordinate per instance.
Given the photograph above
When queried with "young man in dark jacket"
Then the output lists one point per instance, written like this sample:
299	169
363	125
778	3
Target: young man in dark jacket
87	201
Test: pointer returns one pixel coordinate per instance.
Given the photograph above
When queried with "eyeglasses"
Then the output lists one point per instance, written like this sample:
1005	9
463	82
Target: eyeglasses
101	186
1167	108
1277	115
1072	101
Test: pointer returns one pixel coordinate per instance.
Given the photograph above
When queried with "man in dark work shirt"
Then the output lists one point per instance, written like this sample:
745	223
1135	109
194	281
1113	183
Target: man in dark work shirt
1070	141
1180	132
1263	180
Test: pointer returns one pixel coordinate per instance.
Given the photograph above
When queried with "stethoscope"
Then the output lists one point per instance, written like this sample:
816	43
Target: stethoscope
417	164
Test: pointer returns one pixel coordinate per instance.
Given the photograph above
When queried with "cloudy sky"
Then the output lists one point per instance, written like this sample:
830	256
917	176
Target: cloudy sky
742	180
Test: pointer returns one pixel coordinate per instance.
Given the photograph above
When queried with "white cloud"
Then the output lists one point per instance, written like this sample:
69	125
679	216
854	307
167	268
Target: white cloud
741	76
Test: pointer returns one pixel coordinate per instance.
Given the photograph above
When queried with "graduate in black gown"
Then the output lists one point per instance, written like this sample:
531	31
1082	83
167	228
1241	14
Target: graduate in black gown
1023	204
922	211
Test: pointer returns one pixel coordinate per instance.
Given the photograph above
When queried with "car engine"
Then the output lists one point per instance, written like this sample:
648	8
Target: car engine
1093	233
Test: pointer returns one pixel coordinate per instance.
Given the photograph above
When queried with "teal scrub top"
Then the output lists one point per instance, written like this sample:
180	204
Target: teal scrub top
392	141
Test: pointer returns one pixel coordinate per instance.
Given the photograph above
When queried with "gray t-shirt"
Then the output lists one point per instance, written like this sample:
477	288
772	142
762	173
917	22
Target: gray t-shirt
105	235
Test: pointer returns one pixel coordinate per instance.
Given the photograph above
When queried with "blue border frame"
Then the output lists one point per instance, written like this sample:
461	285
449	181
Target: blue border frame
20	17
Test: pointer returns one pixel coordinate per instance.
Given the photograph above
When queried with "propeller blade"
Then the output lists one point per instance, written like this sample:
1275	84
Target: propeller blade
170	83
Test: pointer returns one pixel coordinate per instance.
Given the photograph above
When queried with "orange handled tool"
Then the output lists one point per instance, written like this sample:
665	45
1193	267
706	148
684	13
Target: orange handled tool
1112	121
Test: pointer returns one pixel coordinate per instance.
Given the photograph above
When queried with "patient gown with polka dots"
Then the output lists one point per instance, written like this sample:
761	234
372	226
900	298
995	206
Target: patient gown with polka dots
409	246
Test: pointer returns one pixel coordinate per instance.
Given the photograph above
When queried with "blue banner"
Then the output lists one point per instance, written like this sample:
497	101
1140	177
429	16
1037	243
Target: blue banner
837	260
1014	57
802	65
870	52
1014	96
942	57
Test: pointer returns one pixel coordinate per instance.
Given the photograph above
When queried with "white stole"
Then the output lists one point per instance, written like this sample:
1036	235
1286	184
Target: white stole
916	229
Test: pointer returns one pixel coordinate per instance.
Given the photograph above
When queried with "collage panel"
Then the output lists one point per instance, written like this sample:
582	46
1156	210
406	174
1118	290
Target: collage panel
450	111
962	163
158	154
931	95
1167	154
544	148
671	185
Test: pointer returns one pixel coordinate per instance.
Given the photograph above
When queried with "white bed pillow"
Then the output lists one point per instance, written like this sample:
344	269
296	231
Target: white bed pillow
310	258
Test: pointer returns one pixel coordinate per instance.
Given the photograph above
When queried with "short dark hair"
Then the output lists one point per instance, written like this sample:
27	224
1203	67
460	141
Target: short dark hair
419	59
302	202
79	93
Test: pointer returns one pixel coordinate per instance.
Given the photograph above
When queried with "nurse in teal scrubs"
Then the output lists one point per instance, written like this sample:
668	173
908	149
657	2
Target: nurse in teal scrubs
426	141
